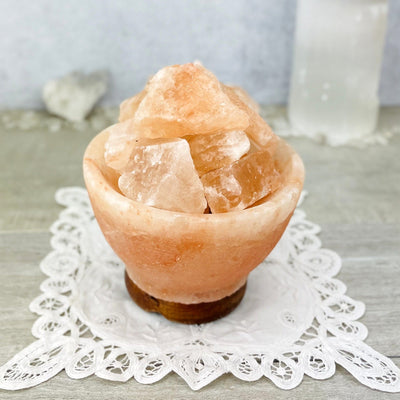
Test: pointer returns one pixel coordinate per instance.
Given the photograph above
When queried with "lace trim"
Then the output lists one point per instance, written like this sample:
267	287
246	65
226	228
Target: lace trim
68	339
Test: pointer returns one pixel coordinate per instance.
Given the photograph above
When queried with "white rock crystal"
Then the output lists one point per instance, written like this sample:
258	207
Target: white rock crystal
74	95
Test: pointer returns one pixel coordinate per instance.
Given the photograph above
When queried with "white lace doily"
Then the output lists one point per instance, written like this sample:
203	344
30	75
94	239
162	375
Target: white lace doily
295	318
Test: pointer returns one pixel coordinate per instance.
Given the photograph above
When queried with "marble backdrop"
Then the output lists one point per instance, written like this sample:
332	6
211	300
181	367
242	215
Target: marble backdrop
248	42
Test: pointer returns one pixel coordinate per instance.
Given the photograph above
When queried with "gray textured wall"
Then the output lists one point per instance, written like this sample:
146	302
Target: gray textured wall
248	42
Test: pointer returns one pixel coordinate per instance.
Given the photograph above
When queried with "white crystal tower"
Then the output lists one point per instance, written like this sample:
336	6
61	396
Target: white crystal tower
337	60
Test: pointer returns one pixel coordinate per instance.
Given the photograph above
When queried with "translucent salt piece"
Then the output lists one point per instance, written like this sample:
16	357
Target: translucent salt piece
119	145
187	100
258	130
246	98
211	152
160	173
128	107
242	183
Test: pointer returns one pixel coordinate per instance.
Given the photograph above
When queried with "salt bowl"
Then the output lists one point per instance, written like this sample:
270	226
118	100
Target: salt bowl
191	268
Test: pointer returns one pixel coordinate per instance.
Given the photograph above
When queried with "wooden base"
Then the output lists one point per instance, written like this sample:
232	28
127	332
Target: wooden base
185	313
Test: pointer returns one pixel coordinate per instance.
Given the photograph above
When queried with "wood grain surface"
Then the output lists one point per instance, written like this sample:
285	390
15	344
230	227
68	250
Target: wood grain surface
354	194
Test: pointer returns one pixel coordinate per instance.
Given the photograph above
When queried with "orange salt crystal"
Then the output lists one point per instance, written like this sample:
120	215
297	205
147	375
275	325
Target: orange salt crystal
160	173
211	152
187	100
246	98
128	107
119	145
241	184
258	130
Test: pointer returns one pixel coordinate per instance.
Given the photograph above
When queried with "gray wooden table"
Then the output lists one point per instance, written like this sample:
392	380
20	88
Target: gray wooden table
354	196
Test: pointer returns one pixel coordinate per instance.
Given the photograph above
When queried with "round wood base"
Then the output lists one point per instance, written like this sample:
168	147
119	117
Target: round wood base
185	313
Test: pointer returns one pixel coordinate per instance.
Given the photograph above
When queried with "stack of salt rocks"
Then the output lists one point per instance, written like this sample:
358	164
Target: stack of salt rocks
188	143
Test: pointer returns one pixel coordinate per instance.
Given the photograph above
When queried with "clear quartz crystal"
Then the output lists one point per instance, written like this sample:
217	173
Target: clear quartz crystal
337	59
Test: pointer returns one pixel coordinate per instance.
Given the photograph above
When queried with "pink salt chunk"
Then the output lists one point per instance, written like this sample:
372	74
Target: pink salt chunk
128	107
242	183
258	130
160	173
211	152
187	100
119	145
246	98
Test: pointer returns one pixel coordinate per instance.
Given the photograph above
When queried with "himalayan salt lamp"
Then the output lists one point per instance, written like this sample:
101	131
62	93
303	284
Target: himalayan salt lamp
188	266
